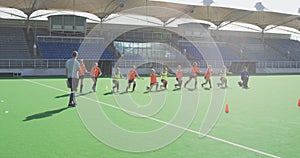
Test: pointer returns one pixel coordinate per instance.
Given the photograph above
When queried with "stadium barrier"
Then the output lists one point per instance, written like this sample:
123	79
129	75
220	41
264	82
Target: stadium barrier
32	67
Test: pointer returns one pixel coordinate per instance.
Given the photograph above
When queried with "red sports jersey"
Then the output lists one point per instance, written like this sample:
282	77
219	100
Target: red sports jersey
208	74
95	71
82	70
132	75
195	70
179	74
153	79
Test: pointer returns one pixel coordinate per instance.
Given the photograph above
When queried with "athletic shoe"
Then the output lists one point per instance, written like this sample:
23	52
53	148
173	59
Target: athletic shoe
240	83
71	105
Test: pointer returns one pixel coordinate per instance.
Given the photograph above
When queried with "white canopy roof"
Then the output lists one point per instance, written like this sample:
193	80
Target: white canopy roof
220	16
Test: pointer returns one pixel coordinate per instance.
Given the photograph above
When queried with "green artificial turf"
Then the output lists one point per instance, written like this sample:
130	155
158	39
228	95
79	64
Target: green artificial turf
34	120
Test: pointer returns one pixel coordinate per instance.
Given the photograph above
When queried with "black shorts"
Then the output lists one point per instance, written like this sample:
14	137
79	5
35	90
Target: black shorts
207	79
130	81
153	83
223	79
162	80
192	76
81	77
73	82
94	77
115	81
245	79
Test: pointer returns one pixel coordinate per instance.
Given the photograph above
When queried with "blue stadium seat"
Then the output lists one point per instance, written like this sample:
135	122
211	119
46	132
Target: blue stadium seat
63	50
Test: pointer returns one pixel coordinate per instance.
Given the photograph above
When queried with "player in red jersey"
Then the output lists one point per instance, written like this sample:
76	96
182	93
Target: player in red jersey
153	80
131	76
178	77
193	75
207	76
81	73
95	73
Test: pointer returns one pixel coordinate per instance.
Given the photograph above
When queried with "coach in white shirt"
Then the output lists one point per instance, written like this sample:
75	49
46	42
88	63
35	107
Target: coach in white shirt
72	69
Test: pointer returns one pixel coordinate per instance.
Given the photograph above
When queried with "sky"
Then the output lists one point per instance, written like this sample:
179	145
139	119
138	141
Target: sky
282	6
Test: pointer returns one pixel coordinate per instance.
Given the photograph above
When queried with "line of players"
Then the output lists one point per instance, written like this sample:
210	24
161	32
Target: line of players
132	74
179	73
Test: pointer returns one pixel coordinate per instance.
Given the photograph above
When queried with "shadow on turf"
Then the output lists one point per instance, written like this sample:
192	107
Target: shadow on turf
126	92
207	89
159	90
62	96
67	95
44	114
108	93
83	94
191	89
177	89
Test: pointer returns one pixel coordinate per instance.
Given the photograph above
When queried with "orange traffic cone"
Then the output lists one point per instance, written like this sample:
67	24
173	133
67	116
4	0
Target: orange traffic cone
227	108
299	102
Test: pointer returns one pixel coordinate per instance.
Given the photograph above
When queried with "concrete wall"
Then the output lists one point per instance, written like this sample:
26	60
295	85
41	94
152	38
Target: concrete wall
278	70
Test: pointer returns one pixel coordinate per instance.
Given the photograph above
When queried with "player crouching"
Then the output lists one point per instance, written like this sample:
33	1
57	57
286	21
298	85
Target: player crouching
244	78
164	78
131	76
116	77
223	77
153	80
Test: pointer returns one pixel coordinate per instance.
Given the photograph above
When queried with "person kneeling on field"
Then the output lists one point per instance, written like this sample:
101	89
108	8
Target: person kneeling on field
223	77
131	78
244	78
116	77
153	81
164	78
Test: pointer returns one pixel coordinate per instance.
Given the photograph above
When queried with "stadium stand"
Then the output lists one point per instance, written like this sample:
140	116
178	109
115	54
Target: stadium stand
13	43
192	52
227	53
253	49
273	51
129	56
289	48
63	50
57	50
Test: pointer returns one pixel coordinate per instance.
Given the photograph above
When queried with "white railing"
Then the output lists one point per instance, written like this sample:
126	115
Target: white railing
278	64
60	63
70	39
31	63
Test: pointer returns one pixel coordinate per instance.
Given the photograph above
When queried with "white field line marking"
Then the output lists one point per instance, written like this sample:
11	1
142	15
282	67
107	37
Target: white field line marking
164	122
